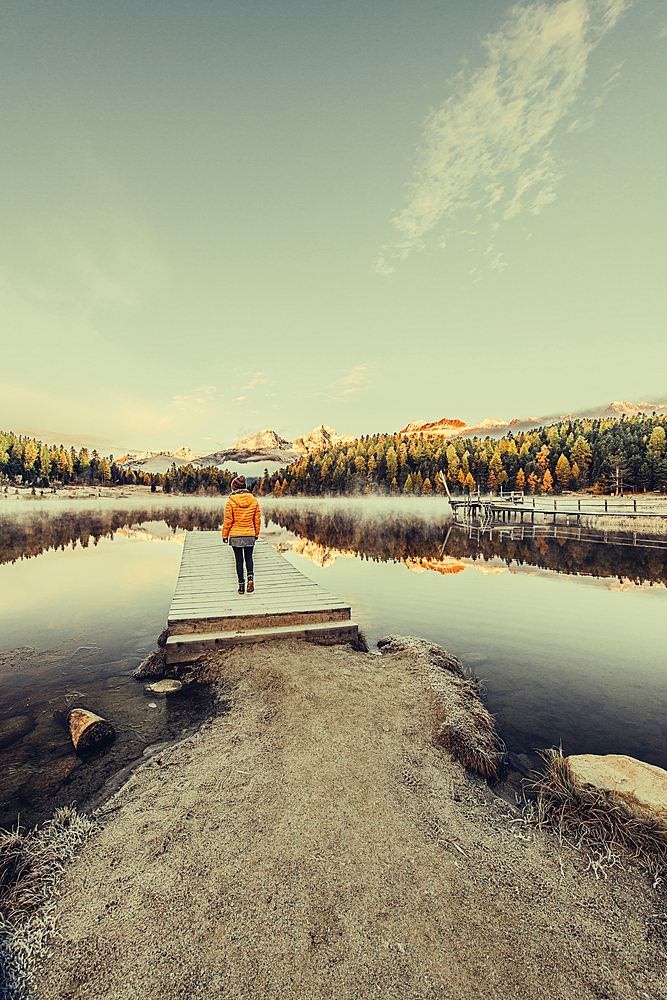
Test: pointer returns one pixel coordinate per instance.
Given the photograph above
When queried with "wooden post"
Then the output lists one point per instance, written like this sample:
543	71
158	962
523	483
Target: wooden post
89	731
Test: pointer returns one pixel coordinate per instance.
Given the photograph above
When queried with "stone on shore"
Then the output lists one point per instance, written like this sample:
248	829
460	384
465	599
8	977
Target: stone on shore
640	789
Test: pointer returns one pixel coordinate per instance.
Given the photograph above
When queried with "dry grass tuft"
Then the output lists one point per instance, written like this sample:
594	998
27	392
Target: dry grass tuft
30	865
588	817
462	724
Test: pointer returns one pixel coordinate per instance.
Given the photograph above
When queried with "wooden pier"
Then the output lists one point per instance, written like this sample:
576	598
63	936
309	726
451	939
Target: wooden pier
208	613
490	508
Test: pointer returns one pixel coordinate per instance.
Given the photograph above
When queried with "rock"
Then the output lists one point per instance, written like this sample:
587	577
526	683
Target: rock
165	687
48	779
640	789
14	728
153	666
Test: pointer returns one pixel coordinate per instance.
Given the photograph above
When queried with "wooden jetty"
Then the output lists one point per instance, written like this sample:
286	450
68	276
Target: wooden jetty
208	613
490	508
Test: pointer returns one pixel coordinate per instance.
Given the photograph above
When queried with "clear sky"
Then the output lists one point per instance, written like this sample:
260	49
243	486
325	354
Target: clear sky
225	216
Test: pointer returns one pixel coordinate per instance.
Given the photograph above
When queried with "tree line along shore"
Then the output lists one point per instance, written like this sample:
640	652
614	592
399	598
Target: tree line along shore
603	456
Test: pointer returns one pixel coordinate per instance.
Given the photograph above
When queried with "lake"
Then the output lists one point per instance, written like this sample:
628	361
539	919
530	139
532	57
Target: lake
568	636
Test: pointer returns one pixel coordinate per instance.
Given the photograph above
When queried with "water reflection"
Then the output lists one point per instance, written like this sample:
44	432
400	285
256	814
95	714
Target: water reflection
33	533
438	544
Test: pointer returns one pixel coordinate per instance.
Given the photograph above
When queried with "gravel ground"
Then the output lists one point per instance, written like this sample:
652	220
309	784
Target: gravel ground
314	843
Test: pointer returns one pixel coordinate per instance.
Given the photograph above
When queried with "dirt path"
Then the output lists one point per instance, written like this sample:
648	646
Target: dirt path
313	843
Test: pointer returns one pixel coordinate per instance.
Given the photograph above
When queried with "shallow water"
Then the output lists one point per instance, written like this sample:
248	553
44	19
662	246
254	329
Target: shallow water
84	593
568	637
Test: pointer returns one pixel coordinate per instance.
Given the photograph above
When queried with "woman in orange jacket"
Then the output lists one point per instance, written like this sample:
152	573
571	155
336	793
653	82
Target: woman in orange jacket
241	529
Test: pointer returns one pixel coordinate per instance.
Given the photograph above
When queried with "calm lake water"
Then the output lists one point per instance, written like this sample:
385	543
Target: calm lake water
568	637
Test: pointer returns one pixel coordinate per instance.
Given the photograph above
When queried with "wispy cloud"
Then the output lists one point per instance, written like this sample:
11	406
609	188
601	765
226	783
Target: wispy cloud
196	399
489	148
357	379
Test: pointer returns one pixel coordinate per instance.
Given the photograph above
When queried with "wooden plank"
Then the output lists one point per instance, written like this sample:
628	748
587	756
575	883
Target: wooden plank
188	626
189	648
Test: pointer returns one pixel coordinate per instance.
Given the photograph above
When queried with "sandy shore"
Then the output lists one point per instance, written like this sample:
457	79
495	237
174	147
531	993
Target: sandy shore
314	843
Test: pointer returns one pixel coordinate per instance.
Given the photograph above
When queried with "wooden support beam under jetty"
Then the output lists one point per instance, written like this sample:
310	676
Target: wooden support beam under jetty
208	613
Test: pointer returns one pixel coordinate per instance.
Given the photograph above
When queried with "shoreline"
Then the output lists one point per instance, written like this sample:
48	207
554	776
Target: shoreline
314	842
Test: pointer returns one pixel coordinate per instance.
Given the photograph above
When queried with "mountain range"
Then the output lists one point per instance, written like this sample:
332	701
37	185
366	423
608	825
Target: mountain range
267	450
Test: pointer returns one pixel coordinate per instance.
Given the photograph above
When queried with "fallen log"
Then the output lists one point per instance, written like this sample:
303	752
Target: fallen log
89	731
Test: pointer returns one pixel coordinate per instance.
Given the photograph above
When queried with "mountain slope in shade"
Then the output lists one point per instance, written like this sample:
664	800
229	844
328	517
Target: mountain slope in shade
137	458
621	408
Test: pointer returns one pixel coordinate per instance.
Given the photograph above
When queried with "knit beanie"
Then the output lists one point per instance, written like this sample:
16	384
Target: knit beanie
239	483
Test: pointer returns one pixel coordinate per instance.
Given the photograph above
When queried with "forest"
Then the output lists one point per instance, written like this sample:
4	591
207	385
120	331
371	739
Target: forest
602	456
26	461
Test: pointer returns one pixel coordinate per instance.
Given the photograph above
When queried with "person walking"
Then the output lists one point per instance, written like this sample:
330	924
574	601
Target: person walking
241	529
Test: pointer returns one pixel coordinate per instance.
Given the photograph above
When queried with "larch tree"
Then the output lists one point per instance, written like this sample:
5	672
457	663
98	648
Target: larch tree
563	471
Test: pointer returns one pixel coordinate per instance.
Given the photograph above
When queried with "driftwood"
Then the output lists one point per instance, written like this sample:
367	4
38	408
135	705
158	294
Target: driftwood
89	731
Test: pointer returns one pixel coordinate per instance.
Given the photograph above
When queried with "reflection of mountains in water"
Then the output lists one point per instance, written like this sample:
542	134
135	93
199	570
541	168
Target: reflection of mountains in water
34	533
448	548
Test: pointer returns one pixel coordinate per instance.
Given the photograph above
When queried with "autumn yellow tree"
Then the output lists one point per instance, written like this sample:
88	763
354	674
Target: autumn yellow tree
563	471
543	458
520	481
547	482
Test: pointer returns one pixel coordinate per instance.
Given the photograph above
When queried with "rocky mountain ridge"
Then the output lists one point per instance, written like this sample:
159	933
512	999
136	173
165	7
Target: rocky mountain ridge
266	449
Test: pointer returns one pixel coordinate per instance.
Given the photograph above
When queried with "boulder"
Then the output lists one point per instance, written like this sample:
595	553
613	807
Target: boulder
640	789
14	728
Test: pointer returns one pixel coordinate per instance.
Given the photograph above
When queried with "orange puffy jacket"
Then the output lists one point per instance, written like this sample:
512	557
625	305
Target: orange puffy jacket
242	516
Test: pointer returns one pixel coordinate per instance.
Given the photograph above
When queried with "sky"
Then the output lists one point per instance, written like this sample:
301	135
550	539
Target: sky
220	217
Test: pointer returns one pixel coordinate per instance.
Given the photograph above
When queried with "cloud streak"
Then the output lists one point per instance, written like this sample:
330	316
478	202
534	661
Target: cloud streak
489	147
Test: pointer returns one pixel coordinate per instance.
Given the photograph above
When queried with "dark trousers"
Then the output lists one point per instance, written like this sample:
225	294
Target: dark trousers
241	553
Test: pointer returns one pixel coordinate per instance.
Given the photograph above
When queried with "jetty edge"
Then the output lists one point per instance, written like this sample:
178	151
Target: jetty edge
315	841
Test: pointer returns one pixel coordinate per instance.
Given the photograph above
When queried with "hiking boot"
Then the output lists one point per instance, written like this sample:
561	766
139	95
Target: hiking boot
242	588
251	585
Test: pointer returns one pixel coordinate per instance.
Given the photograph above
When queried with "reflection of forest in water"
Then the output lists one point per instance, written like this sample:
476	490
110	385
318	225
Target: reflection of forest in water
396	536
34	533
369	530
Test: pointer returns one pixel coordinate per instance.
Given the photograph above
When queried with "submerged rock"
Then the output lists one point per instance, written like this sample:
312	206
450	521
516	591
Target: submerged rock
48	779
640	789
166	686
14	728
